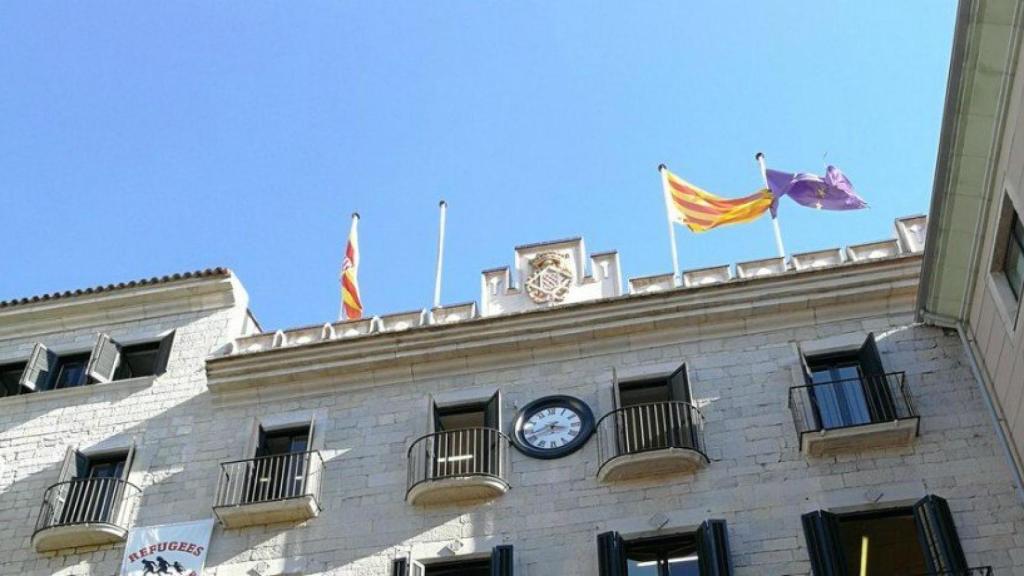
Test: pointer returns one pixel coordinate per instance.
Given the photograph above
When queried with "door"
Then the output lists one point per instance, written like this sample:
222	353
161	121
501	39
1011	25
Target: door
838	392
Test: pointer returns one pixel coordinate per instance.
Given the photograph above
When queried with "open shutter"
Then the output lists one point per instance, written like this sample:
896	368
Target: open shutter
713	555
876	387
416	569
163	354
39	370
679	385
937	533
103	361
804	400
128	459
824	546
309	434
501	561
400	567
611	557
616	398
492	412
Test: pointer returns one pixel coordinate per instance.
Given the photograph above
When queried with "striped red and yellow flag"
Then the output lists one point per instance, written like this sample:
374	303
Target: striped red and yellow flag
700	211
351	304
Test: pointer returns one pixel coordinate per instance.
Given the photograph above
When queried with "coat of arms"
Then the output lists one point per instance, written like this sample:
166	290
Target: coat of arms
550	278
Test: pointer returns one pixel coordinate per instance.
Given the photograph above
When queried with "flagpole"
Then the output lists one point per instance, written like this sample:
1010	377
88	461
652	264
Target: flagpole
676	278
440	255
775	219
351	233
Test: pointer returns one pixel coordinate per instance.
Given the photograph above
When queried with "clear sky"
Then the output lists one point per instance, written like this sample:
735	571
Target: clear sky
145	138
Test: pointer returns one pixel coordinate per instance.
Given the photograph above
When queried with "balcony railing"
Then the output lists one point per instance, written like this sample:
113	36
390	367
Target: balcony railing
270	478
84	512
981	571
467	453
851	402
668	427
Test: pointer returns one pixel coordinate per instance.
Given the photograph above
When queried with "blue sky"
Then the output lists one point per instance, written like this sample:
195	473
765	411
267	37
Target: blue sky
144	138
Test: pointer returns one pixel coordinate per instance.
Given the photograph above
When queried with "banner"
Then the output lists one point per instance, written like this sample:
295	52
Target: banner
175	549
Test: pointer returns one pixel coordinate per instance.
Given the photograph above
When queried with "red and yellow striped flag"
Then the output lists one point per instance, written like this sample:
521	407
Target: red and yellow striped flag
351	304
700	211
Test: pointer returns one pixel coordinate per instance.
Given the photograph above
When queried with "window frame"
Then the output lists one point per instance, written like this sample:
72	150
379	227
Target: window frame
1008	305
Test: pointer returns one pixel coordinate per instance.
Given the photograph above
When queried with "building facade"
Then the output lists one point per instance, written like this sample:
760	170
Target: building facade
772	417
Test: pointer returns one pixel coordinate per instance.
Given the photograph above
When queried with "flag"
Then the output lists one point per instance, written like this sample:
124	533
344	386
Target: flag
701	211
831	192
351	304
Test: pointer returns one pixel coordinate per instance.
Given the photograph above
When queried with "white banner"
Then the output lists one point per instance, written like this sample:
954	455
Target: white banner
175	549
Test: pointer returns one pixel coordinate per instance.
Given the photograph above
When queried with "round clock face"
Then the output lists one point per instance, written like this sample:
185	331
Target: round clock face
553	426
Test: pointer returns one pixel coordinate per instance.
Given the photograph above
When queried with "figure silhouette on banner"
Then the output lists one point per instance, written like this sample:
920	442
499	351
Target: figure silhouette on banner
161	566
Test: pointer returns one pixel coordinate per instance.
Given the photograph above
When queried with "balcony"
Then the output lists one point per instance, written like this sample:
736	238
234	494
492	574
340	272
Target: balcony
854	414
981	571
457	465
269	489
650	439
84	512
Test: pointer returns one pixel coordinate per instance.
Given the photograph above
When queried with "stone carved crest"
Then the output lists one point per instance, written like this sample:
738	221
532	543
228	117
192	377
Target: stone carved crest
550	278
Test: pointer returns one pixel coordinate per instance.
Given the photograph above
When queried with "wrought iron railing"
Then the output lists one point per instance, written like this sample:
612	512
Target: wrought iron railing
646	427
980	571
851	402
270	478
458	454
87	501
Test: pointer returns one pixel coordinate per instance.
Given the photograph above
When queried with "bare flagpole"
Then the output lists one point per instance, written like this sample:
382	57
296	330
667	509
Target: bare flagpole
663	170
775	220
440	255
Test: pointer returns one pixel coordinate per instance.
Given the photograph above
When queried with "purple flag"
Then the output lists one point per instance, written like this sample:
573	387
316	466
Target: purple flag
833	192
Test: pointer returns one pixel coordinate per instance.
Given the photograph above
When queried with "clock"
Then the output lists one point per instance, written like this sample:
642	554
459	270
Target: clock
553	426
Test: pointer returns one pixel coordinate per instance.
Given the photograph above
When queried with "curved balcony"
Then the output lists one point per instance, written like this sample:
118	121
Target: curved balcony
269	489
455	465
871	411
84	512
650	439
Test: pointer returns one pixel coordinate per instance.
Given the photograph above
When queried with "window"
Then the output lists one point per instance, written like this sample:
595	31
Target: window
91	486
464	444
655	414
70	371
468	415
704	552
139	360
900	541
280	467
500	563
1013	260
672	556
849	388
10	378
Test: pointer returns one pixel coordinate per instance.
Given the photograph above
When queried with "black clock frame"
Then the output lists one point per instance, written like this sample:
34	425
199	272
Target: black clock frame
578	406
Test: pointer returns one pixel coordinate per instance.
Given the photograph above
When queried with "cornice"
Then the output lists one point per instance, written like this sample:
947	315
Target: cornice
143	302
736	307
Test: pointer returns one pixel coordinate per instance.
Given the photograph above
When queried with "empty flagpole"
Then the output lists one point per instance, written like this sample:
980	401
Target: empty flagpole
663	170
440	255
775	219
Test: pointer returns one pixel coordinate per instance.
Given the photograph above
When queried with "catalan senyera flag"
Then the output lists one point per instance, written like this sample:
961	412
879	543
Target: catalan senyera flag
700	210
351	304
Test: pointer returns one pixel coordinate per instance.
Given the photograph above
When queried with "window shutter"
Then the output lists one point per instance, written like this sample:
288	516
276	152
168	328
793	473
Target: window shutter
821	529
611	558
713	555
163	354
808	379
937	533
69	469
400	567
679	385
876	387
103	361
492	414
310	434
261	442
39	369
501	561
128	462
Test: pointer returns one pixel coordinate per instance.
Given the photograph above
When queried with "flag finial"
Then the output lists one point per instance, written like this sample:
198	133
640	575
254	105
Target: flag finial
355	215
662	167
759	156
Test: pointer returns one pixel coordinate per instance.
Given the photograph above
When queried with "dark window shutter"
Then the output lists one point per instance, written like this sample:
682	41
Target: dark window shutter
937	533
824	546
611	557
679	385
103	361
261	442
492	417
501	561
713	555
163	354
39	370
400	567
876	388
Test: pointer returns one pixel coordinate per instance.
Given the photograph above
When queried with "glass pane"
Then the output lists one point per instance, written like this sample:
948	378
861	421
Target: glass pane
684	566
1013	266
71	374
882	545
642	568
